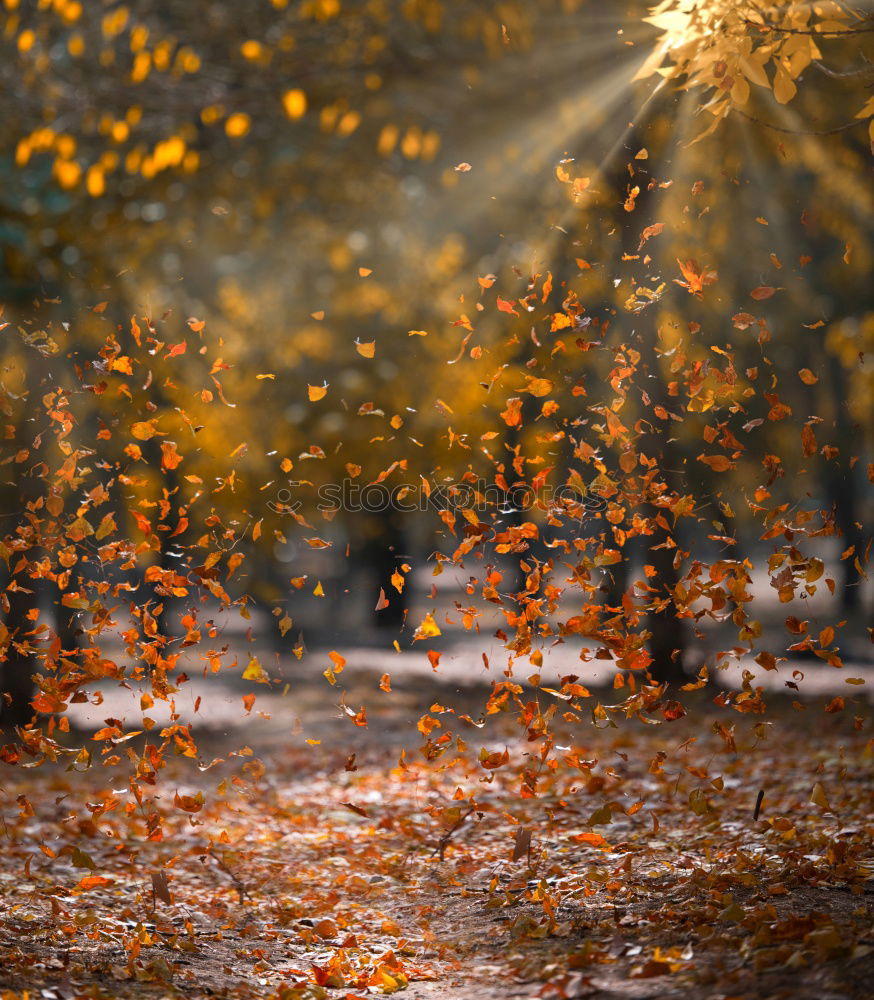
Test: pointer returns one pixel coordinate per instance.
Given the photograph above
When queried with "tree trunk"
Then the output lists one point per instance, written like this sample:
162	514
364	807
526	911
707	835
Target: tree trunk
843	490
17	667
384	552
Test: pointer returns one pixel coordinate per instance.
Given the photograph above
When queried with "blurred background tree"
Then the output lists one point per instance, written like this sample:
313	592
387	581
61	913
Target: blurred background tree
319	179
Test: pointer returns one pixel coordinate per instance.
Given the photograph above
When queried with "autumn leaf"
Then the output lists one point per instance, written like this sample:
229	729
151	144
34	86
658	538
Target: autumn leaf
695	278
255	672
818	796
428	628
512	415
719	463
170	457
144	430
649	232
79	859
94	882
539	386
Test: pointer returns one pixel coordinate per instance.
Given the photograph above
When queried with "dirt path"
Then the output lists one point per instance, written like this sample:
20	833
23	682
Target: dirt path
307	873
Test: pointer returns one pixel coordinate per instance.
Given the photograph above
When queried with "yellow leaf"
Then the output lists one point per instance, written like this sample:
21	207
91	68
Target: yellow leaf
753	71
428	629
255	672
784	87
366	350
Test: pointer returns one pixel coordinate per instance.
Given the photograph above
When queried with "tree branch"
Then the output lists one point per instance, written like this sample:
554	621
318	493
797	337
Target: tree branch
800	131
847	74
808	31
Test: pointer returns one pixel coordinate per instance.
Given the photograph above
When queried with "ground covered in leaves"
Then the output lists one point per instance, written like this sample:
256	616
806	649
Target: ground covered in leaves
316	870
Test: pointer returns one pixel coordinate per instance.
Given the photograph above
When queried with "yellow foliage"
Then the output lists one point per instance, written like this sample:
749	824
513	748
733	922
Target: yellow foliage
141	67
238	124
68	173
115	22
138	37
295	103
252	50
95	181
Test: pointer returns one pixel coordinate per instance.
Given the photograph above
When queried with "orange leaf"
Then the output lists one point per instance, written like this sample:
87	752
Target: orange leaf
513	414
143	430
170	457
539	386
719	463
94	882
317	392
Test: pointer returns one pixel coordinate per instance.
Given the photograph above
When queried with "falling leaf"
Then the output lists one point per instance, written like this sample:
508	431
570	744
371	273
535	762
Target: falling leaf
255	672
317	392
818	796
539	386
94	882
144	430
521	843
160	887
428	628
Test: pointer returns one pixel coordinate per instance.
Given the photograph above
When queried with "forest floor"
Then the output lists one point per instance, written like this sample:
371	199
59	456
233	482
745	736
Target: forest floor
310	859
